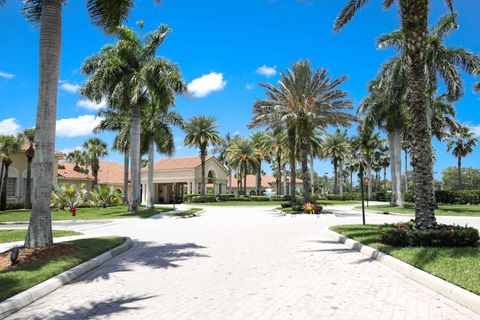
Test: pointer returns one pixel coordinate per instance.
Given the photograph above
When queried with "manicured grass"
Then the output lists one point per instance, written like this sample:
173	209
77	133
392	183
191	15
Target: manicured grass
19	235
443	209
115	212
192	212
459	266
16	280
270	203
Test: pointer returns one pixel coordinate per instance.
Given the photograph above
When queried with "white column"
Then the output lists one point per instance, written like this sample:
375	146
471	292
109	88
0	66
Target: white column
194	187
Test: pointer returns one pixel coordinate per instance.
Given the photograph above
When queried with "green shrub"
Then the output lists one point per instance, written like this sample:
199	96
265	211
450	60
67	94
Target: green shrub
259	198
226	197
104	196
451	196
189	197
280	198
286	205
405	234
297	208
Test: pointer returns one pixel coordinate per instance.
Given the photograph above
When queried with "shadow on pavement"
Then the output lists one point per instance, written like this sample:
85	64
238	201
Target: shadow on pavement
147	254
94	309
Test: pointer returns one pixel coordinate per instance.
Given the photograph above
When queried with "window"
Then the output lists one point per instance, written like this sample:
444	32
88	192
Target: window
11	187
24	186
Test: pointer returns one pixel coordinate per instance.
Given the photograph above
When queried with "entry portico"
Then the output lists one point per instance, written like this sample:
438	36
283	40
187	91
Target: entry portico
174	177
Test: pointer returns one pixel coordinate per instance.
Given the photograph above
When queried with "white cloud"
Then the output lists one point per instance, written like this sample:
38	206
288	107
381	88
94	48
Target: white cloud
91	105
77	127
6	75
476	130
10	126
69	87
249	86
267	71
207	84
68	150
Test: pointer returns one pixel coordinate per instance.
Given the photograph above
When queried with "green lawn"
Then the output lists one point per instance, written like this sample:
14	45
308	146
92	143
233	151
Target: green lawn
192	212
16	280
456	265
270	203
19	235
115	212
443	209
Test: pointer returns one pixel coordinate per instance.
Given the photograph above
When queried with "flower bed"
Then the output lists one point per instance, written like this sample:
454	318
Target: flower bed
406	235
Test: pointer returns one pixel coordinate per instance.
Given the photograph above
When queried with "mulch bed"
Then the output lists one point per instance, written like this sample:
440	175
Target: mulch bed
32	256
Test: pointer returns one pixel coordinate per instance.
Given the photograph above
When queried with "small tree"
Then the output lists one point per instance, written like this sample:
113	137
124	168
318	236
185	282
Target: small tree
461	143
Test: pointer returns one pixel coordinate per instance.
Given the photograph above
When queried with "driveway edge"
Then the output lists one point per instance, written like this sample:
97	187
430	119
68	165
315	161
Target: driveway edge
445	288
18	301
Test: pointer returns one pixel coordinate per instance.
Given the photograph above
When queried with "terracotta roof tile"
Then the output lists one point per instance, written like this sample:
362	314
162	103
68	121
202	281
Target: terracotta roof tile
74	175
26	145
179	163
109	172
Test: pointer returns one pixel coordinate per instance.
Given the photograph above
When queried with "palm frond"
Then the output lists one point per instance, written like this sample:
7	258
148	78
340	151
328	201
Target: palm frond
347	13
109	14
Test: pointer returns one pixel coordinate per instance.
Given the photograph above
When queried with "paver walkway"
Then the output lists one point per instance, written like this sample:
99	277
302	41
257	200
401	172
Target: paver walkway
241	263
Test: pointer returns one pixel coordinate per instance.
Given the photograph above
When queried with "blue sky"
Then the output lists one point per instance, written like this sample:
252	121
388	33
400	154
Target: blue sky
229	47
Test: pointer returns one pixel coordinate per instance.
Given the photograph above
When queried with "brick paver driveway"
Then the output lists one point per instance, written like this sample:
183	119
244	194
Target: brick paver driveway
241	263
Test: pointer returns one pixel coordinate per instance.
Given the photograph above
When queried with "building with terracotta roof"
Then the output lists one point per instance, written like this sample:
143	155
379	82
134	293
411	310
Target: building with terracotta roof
17	175
174	177
267	182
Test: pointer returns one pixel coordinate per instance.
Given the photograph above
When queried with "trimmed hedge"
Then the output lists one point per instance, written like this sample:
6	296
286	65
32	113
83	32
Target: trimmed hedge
451	196
280	198
442	235
356	196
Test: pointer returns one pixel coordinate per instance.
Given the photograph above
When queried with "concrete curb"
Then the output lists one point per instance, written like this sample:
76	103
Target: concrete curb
18	301
446	289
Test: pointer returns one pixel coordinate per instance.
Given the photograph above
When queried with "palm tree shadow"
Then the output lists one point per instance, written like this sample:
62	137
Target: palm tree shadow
146	254
94	309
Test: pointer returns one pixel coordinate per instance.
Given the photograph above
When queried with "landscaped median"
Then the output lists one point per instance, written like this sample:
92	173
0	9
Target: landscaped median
457	265
190	213
442	210
40	271
114	212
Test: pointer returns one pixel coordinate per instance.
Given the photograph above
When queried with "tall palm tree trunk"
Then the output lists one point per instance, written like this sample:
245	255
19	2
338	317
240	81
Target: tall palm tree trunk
203	155
312	175
393	174
151	146
335	175
291	132
245	178
406	169
28	187
397	139
258	182
135	159
369	172
459	173
95	166
340	180
39	232
414	14
279	171
3	196
1	175
305	170
125	176
385	179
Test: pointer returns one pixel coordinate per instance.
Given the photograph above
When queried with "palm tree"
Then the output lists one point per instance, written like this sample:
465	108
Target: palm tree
118	120
336	148
128	74
276	139
202	132
305	100
78	157
414	19
95	149
241	154
461	143
157	125
29	135
8	145
261	152
221	151
48	14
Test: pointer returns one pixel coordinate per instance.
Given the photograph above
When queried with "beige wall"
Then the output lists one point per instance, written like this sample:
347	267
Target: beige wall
18	170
